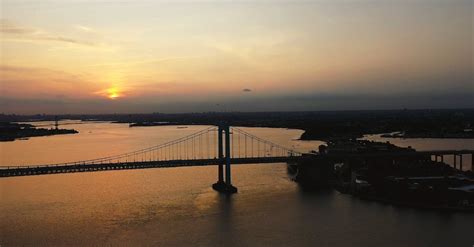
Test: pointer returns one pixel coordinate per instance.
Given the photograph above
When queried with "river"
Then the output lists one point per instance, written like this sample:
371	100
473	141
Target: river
177	207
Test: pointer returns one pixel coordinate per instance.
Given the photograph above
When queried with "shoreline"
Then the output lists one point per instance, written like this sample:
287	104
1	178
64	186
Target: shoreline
14	131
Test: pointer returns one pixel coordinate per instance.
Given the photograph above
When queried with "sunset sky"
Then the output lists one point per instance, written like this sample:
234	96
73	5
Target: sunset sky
105	56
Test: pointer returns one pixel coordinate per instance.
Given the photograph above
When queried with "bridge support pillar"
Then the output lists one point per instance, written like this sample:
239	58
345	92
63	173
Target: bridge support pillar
454	160
220	155
228	181
472	162
221	186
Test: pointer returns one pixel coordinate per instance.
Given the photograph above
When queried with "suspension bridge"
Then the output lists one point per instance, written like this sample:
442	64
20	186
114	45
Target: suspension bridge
215	145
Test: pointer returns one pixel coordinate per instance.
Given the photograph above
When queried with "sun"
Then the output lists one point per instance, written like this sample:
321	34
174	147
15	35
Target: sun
113	93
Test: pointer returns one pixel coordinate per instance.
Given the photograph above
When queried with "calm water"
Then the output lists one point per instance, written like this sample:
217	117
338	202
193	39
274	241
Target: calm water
176	206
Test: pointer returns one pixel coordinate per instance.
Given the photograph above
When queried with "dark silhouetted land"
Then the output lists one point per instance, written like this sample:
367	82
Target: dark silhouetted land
323	125
12	131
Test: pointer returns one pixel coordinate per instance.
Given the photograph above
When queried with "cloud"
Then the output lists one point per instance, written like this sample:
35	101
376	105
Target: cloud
9	27
146	61
246	90
18	81
85	29
13	31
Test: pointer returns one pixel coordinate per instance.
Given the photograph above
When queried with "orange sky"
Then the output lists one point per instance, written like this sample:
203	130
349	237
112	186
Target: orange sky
143	55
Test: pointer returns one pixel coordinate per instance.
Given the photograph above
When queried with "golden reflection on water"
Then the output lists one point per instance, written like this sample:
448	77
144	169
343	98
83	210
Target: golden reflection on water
103	204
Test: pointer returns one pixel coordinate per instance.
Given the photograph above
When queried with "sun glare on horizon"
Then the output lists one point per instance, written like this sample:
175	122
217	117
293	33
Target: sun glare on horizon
113	93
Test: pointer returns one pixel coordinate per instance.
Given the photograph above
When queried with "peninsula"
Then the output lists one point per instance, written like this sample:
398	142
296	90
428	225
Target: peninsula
12	131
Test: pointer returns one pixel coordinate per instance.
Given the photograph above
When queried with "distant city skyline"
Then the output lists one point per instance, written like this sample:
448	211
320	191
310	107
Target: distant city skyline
83	56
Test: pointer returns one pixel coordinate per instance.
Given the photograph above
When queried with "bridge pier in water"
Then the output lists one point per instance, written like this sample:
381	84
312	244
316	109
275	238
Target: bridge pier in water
224	185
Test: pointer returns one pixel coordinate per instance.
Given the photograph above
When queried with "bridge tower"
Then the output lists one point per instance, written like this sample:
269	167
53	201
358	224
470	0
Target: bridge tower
56	124
224	185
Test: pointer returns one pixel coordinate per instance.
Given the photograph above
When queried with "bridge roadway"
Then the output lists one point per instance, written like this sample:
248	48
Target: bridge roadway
11	171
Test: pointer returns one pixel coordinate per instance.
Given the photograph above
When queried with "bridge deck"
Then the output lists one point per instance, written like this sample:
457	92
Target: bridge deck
11	171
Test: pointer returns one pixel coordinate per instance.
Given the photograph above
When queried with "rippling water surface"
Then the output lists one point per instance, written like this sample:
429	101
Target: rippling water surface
176	206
